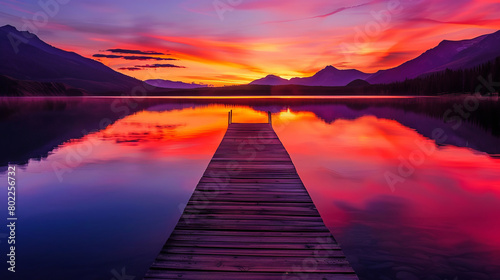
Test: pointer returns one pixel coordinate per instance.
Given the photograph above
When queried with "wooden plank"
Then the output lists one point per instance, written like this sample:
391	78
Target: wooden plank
252	252
248	263
325	237
247	238
250	217
248	245
222	275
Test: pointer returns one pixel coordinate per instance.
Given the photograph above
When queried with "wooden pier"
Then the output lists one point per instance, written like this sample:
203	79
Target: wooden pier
250	217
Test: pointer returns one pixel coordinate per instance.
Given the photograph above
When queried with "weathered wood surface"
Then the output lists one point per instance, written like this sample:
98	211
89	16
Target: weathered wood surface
250	217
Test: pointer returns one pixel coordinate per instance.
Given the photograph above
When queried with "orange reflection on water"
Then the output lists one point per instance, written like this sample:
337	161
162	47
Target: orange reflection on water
343	165
189	132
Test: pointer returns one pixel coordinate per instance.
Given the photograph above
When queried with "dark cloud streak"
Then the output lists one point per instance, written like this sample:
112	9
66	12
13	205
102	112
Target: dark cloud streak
130	68
150	66
159	66
132	57
126	51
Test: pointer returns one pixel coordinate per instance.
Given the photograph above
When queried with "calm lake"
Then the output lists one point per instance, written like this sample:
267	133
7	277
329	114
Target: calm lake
410	187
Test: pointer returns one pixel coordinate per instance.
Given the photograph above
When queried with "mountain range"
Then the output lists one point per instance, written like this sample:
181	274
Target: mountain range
329	76
446	55
25	57
30	64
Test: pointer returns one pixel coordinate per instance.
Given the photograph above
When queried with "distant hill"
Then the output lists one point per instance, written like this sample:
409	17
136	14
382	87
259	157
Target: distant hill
453	55
271	80
41	62
329	76
171	84
358	83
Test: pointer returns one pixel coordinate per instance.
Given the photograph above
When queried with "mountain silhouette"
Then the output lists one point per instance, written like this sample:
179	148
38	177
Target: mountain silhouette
463	54
25	57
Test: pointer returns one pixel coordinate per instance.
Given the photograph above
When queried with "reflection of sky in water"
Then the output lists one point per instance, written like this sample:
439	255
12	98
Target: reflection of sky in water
121	189
442	220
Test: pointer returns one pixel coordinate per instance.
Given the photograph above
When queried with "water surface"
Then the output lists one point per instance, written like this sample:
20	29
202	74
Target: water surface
102	182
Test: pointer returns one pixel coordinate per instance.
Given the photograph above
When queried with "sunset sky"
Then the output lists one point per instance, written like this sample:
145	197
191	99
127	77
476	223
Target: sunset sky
236	41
